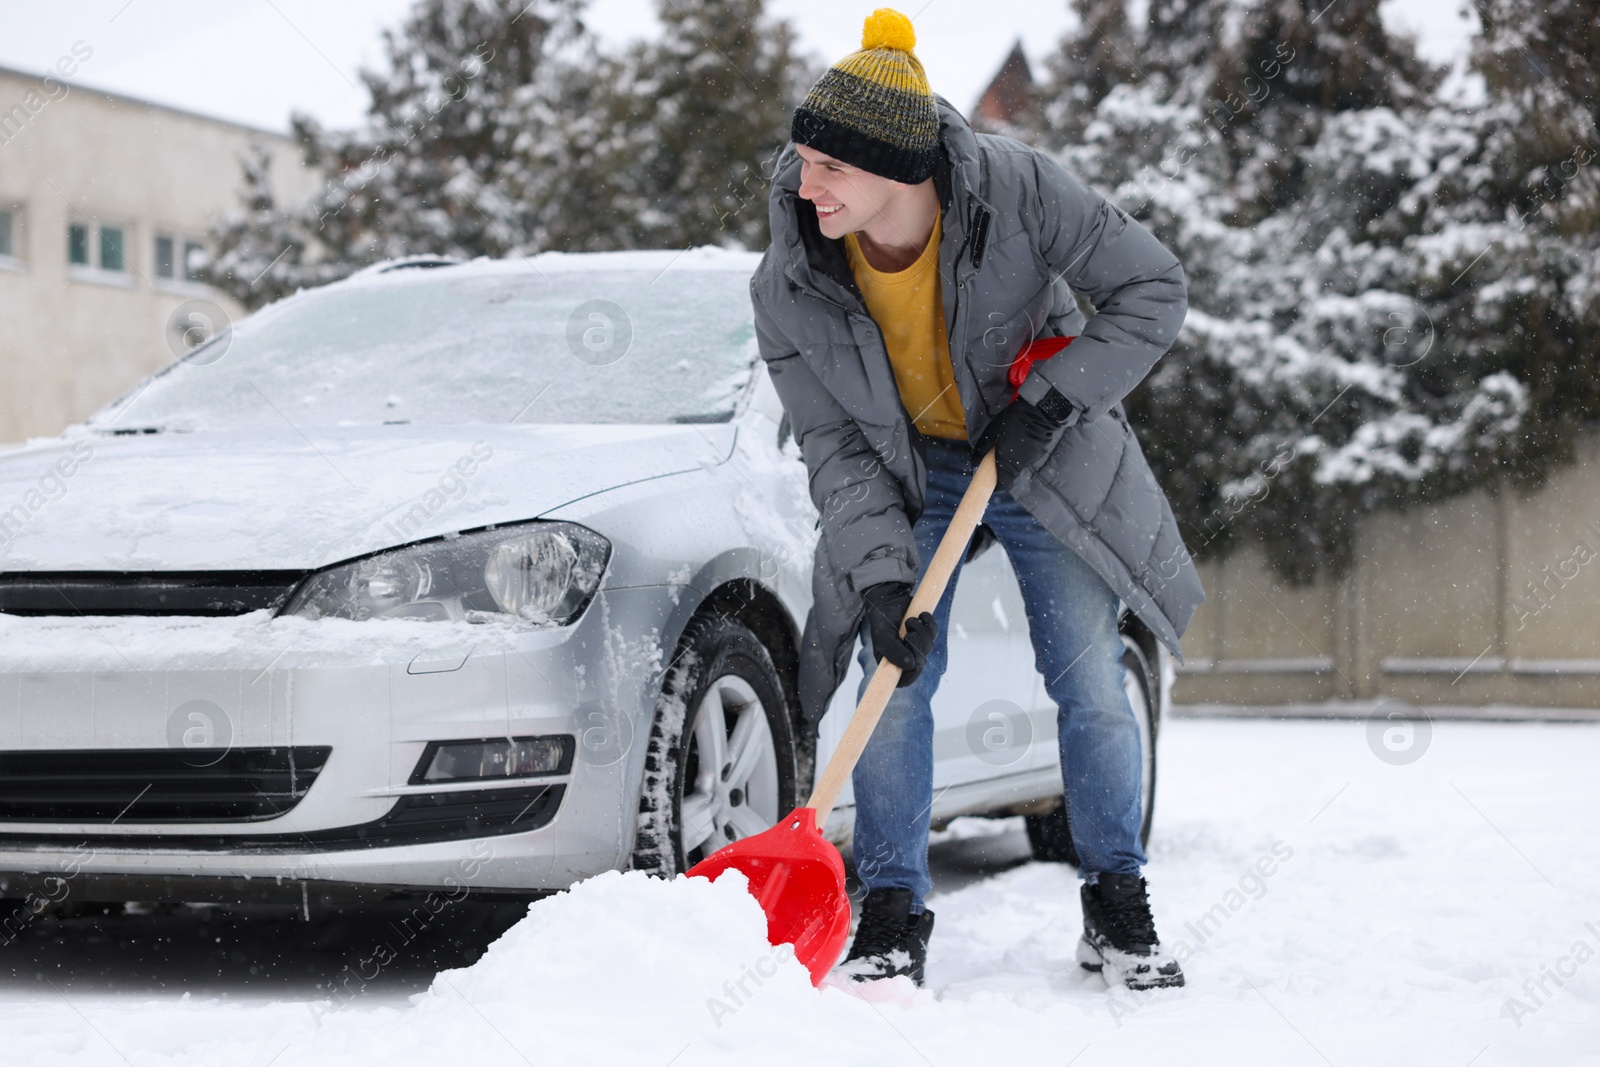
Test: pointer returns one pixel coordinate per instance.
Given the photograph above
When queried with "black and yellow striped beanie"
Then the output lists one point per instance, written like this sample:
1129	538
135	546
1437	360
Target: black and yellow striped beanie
873	109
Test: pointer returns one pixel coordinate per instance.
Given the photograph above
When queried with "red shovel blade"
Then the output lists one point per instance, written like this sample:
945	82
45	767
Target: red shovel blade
798	878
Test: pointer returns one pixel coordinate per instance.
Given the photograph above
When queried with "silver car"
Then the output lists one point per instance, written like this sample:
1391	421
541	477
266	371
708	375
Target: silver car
451	577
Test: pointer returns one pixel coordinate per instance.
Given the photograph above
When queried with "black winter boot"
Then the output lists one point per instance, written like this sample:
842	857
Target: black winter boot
889	939
1119	935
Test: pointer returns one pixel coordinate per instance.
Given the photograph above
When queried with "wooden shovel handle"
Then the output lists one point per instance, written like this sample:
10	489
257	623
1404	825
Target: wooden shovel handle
929	589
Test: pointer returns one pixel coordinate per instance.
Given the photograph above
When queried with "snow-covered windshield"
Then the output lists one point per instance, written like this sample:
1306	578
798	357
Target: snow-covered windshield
477	343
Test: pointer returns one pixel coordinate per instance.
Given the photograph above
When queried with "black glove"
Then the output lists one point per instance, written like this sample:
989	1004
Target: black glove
1022	435
886	606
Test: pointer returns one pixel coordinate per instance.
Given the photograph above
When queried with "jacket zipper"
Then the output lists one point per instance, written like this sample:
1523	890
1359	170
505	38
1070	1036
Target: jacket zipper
972	248
980	236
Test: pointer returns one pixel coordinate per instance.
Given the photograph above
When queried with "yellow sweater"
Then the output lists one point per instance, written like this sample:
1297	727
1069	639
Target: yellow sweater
908	308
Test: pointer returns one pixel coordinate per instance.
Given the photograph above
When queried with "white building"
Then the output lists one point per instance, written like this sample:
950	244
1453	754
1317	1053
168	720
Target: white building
105	201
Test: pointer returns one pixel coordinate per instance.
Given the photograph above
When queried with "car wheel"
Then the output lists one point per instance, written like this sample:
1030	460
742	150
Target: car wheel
720	761
1050	832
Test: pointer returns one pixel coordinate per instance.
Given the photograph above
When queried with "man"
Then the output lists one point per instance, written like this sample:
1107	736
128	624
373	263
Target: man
911	262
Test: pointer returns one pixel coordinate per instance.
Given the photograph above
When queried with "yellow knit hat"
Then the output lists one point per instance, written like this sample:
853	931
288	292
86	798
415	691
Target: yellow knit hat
873	109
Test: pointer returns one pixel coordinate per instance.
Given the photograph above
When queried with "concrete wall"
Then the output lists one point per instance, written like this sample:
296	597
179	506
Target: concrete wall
1489	600
74	338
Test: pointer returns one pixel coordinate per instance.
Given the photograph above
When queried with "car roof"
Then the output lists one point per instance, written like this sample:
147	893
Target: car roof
653	262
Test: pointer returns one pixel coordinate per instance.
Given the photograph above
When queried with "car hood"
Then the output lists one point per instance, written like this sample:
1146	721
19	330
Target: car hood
258	499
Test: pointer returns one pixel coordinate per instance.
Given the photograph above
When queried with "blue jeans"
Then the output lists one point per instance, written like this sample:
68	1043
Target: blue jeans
1072	617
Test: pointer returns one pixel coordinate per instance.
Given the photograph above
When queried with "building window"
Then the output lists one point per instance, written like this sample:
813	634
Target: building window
99	252
78	244
164	257
7	247
111	249
180	259
194	261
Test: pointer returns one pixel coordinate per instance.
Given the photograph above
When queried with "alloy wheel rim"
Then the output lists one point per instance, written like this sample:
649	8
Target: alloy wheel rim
733	789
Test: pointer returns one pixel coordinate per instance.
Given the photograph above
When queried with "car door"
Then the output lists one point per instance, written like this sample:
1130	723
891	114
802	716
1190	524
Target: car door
991	718
990	715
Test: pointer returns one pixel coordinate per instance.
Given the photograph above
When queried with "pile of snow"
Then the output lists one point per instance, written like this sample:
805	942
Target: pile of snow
626	969
621	969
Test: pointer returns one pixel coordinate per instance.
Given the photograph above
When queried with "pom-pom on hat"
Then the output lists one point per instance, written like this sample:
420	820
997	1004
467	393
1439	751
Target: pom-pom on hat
873	109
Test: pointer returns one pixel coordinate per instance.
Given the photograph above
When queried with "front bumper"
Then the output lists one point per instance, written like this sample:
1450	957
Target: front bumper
376	693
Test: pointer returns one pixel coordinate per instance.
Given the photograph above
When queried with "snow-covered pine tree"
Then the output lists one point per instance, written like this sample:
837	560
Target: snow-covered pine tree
480	106
1082	71
498	128
264	251
1308	350
1547	49
1496	235
1296	157
1509	206
463	128
706	110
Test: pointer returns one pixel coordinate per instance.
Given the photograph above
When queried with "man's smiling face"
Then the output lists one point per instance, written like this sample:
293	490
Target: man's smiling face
847	199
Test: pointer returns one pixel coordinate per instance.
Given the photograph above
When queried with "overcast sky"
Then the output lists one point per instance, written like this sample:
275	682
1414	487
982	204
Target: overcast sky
256	60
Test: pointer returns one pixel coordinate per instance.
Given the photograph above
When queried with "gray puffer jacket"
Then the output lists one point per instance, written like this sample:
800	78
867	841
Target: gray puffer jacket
1020	234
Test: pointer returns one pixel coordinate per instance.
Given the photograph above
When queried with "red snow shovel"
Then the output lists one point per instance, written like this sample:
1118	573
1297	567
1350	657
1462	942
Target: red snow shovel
793	871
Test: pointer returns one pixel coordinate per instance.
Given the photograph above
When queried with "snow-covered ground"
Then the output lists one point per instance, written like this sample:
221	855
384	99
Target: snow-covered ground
1334	907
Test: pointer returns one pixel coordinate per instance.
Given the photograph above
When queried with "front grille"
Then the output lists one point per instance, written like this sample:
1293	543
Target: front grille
152	593
156	785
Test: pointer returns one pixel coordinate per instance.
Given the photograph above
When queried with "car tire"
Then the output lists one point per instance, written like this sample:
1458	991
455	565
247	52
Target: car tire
722	682
1050	832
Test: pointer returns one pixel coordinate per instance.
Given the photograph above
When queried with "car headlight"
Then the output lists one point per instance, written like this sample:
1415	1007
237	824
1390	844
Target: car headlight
543	572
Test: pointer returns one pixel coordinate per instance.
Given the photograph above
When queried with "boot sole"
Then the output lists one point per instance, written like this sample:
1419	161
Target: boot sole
1089	957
